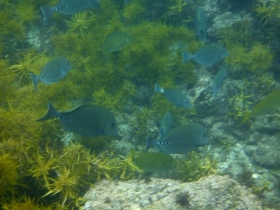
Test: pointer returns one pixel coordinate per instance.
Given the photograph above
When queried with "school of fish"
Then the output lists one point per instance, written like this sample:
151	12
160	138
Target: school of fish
92	120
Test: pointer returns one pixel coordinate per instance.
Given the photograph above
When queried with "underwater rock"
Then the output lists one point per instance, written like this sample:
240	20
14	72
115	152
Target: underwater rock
212	192
267	152
226	19
202	96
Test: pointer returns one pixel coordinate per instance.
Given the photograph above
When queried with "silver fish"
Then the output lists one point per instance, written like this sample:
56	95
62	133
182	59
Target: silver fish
207	55
181	139
52	72
69	7
165	124
218	81
116	41
174	96
200	23
86	120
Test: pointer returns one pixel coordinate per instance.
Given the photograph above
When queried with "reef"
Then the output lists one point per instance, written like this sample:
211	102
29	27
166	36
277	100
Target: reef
43	166
169	194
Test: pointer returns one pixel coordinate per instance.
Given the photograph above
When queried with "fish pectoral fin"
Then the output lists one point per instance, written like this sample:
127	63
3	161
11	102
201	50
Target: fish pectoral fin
150	143
63	70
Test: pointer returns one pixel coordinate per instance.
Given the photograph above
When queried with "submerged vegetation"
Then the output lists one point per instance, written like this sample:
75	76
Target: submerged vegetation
32	155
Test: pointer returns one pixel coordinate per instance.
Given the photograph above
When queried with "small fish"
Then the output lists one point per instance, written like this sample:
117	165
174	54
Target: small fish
52	72
165	124
86	120
69	7
174	96
181	139
200	23
154	161
269	104
207	55
218	81
116	41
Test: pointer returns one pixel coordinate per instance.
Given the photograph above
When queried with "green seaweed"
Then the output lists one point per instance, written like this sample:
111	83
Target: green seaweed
254	59
34	152
268	11
195	167
80	22
240	104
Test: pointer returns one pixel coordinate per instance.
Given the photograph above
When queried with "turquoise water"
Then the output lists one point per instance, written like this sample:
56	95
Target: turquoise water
46	164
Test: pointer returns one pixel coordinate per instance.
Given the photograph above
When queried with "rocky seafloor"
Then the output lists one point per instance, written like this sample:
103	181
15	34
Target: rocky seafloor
213	192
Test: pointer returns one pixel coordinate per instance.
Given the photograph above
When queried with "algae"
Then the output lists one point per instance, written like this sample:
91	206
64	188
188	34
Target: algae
62	173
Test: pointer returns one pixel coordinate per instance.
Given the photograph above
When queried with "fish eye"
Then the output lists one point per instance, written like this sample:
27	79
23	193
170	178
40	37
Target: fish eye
113	124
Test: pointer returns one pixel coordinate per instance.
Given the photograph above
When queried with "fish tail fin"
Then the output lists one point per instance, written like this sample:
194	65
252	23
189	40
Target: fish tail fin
35	80
95	4
52	113
150	143
214	92
246	117
158	89
47	12
186	56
